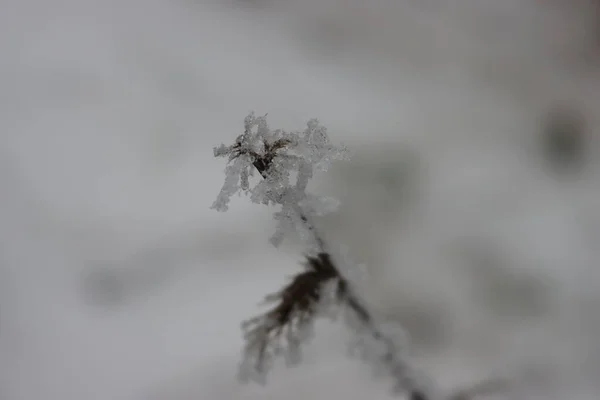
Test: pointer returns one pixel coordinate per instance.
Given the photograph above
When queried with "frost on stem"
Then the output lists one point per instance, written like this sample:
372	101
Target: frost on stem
322	287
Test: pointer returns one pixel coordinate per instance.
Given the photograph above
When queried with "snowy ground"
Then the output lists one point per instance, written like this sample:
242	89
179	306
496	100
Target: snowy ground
116	280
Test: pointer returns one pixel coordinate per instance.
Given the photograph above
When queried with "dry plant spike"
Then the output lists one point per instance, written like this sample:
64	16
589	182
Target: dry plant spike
290	320
323	287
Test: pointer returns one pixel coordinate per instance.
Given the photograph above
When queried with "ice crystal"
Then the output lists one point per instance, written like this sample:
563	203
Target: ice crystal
279	156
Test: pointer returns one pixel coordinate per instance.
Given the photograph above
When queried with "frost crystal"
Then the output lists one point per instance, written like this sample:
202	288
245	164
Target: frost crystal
236	179
278	156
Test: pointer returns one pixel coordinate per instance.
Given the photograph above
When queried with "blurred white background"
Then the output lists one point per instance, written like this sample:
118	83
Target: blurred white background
117	281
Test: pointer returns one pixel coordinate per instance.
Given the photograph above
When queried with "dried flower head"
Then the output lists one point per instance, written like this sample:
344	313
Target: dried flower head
276	155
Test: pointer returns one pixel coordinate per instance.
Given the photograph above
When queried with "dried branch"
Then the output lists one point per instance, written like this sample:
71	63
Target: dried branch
322	285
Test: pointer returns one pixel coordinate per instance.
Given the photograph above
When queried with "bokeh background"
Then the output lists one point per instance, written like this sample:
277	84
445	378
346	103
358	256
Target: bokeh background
472	196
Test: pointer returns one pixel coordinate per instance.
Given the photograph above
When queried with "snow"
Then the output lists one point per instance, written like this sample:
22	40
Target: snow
118	282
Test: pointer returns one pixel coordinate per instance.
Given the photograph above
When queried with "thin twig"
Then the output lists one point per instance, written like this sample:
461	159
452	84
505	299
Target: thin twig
298	303
304	291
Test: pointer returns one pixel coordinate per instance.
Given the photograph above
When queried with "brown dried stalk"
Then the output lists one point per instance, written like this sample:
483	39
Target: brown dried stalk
297	304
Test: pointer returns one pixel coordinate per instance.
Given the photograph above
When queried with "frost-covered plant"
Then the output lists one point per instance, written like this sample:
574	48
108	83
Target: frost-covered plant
327	283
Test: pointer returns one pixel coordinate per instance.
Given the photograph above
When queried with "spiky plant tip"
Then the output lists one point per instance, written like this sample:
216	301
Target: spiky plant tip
289	323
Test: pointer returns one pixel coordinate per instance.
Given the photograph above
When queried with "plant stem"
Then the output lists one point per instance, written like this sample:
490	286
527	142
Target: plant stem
398	367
